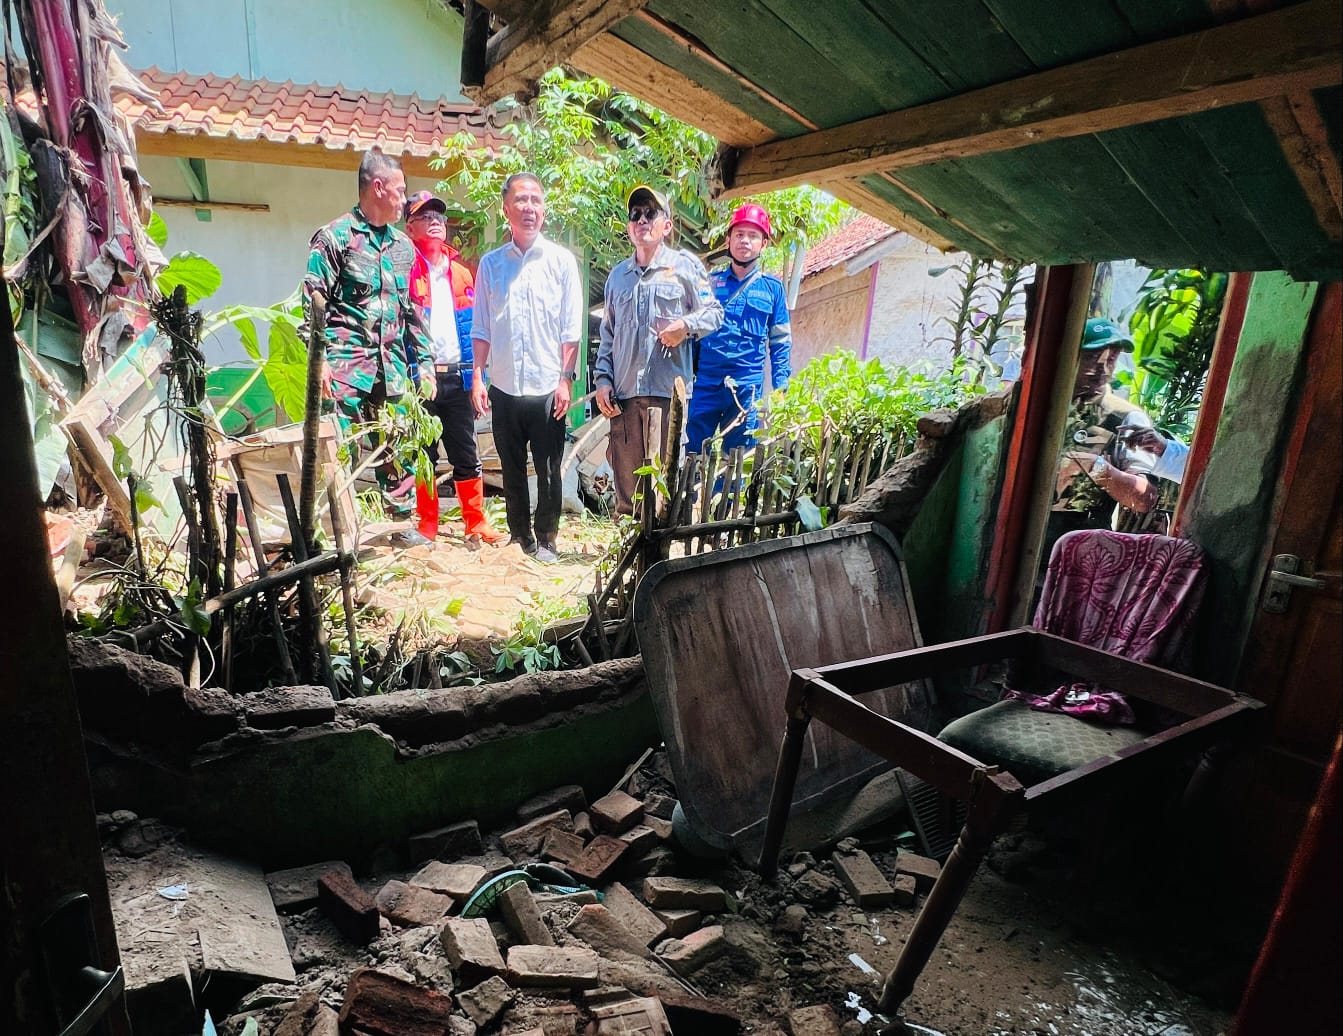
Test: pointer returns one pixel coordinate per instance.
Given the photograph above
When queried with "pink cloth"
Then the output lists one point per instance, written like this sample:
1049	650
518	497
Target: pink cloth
1130	594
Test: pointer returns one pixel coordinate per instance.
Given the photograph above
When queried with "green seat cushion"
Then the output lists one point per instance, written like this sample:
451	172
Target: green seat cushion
1032	745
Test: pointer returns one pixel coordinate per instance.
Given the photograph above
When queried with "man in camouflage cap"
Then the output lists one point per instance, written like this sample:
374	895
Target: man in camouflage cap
377	347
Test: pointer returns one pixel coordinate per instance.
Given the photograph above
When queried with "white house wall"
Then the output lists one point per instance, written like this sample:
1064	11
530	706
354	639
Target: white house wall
260	254
404	46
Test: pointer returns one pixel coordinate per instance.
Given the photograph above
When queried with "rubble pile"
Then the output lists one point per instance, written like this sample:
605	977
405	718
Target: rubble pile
583	917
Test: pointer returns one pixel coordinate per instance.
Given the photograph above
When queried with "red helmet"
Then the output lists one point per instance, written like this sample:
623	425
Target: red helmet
751	216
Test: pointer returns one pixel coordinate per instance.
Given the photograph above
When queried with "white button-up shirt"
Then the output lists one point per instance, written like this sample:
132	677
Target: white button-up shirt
528	305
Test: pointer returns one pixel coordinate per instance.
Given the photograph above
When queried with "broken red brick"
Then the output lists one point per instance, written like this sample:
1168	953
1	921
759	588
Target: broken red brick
457	880
695	950
680	923
865	882
563	846
640	838
641	1015
659	805
600	929
616	812
661	828
411	906
597	859
905	887
570	798
924	870
461	839
385	1005
526	840
641	922
670	893
522	916
349	907
471	949
568	967
583	825
296	888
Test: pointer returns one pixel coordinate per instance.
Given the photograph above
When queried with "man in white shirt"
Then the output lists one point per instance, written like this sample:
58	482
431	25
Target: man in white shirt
529	313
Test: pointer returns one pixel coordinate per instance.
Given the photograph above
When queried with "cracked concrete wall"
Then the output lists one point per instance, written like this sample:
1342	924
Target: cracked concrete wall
351	777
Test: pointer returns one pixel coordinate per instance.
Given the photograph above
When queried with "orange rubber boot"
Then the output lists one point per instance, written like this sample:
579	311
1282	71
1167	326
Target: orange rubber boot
471	495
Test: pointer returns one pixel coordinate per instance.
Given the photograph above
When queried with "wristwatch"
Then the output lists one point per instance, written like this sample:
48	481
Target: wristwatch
570	375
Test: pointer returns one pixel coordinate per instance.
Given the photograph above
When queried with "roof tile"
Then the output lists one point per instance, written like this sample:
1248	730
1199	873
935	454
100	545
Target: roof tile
853	237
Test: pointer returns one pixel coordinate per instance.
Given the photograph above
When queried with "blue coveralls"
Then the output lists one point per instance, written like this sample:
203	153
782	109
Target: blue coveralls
755	322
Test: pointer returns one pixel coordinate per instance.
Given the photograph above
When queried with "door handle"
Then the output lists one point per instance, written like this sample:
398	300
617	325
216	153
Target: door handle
1283	575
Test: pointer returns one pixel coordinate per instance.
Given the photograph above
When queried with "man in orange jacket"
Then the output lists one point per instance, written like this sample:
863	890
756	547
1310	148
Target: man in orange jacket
442	287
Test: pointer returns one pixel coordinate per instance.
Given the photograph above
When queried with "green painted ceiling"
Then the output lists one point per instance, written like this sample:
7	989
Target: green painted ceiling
1211	188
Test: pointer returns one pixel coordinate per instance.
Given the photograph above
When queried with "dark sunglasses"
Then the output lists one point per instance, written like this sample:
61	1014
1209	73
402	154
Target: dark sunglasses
427	217
644	212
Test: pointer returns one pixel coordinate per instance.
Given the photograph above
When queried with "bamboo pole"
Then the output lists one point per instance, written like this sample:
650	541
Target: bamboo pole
259	554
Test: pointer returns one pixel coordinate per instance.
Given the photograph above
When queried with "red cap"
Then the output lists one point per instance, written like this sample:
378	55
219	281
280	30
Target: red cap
751	216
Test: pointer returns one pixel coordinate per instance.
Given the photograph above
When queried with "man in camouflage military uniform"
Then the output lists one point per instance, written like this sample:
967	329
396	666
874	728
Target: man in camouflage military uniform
358	275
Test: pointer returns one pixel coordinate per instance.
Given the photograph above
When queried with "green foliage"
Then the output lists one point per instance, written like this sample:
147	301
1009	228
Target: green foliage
285	362
193	271
1174	328
864	399
527	648
985	293
591	145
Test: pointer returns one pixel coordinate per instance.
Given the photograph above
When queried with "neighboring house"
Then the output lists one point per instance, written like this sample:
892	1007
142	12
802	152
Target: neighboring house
268	108
879	292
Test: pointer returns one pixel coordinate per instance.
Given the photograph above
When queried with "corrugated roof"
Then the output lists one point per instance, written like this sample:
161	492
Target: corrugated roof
306	114
858	235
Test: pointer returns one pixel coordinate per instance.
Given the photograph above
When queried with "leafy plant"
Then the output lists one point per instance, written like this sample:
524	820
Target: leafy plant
1174	328
526	647
985	293
591	145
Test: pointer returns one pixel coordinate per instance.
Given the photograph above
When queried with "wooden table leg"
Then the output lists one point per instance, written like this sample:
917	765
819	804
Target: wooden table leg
990	810
785	777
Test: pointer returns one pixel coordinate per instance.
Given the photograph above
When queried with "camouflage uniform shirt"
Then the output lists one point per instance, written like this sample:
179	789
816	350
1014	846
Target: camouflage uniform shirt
372	329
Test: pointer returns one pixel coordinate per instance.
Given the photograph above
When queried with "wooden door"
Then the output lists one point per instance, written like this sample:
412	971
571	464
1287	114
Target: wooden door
1293	659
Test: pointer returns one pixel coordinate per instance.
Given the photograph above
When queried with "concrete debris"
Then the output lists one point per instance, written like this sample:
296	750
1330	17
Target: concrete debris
819	1020
658	805
487	1001
471	948
816	888
309	1017
583	825
792	921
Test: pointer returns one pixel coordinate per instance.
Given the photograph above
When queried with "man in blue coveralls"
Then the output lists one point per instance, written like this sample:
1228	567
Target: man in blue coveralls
730	378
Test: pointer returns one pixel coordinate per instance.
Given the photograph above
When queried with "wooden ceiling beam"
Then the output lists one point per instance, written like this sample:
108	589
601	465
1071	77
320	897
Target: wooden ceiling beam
626	67
1304	139
269	152
860	197
523	51
1289	50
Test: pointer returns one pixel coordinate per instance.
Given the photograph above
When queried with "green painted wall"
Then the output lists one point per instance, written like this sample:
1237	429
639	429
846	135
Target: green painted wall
1230	512
340	794
947	547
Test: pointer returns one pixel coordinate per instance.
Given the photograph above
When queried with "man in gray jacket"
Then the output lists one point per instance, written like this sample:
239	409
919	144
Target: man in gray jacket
656	302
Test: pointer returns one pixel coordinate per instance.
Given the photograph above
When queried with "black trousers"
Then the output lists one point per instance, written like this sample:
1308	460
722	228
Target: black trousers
519	422
452	406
